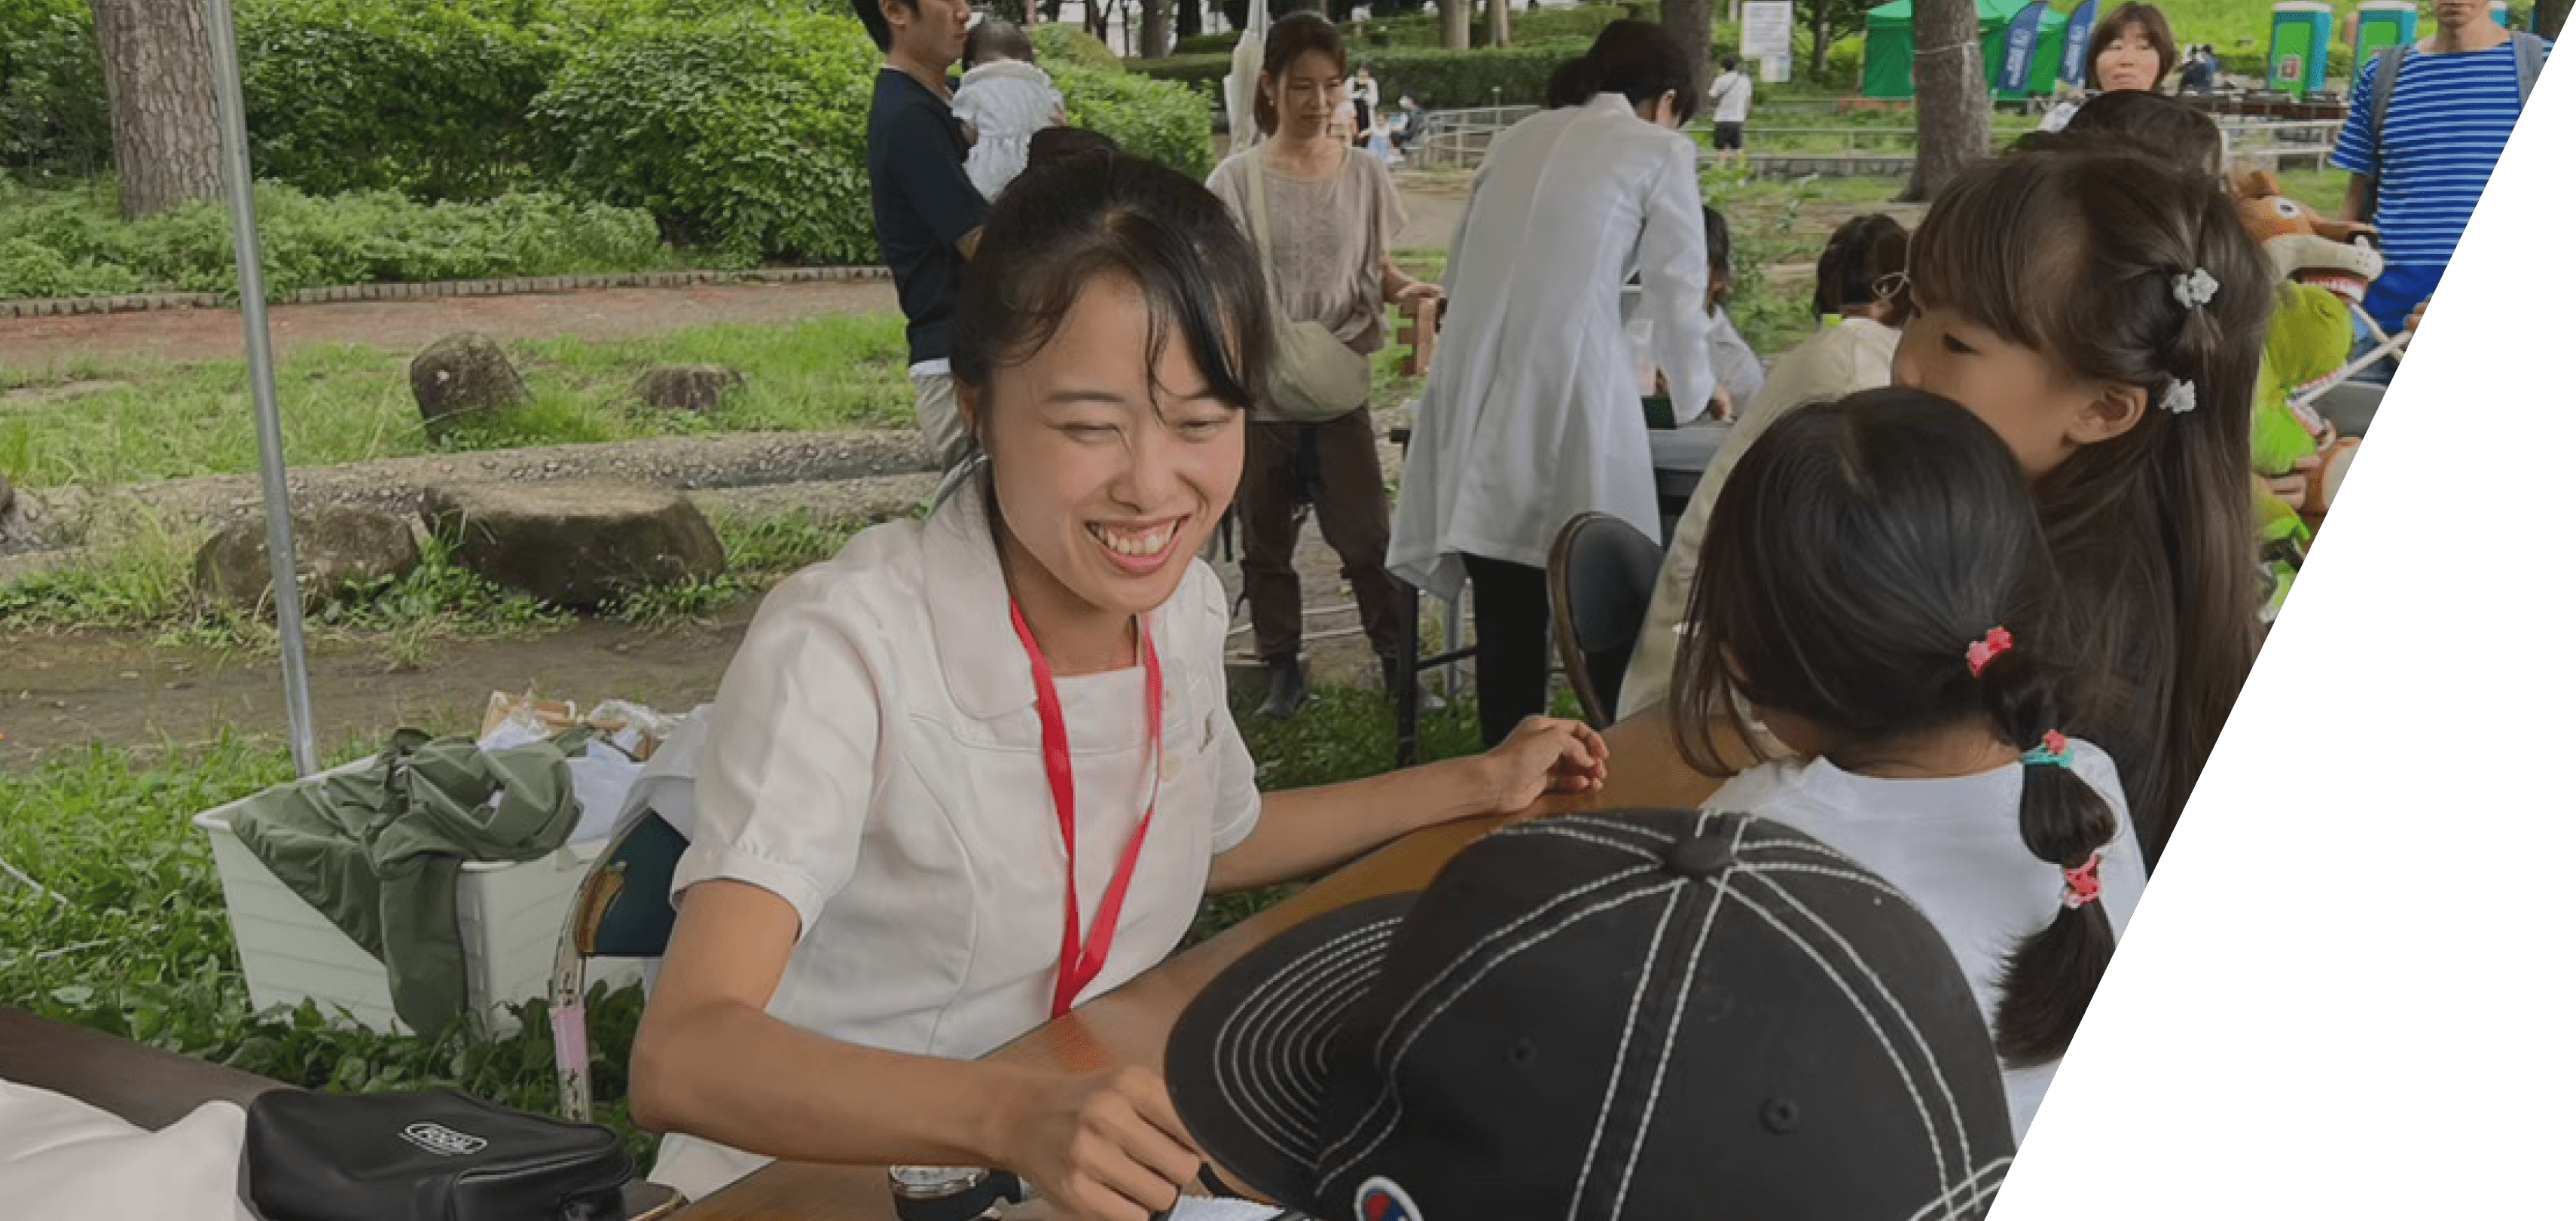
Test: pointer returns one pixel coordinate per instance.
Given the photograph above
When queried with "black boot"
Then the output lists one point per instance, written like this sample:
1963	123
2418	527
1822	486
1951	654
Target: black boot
1287	690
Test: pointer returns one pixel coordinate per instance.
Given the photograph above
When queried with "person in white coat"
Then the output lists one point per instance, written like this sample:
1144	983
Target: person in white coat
1005	99
1533	413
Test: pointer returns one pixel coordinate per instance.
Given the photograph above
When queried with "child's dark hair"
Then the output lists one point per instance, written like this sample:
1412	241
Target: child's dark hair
1637	60
1067	223
2080	255
1289	39
993	38
1051	144
1859	258
2148	20
1855	554
872	15
2144	124
1721	251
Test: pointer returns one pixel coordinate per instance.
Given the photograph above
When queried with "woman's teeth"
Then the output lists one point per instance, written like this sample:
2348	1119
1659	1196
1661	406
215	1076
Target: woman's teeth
1132	543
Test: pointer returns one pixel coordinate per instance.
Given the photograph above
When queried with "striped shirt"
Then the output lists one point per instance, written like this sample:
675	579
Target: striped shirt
2447	125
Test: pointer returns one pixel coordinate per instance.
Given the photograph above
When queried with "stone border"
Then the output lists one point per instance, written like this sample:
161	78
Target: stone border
57	307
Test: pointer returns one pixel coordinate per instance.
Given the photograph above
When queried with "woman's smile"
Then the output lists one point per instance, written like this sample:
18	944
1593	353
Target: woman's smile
1139	547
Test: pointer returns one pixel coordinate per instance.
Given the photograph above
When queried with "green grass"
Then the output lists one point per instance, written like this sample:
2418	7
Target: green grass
137	944
341	404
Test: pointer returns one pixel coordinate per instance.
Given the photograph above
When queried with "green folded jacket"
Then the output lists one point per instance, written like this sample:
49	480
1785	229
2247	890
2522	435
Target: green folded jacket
378	850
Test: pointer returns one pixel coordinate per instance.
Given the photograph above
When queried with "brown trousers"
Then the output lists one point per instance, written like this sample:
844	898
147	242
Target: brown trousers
1350	507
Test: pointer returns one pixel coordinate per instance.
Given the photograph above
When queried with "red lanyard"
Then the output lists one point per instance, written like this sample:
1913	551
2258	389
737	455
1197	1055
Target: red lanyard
1082	958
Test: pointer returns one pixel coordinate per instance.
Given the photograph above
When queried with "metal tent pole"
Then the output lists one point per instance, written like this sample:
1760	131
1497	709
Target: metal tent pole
263	379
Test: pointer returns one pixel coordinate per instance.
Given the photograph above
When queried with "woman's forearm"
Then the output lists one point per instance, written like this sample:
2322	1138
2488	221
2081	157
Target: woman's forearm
788	1093
1308	831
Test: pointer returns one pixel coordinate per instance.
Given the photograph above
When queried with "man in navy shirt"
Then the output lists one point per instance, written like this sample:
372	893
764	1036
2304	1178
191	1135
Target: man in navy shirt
928	212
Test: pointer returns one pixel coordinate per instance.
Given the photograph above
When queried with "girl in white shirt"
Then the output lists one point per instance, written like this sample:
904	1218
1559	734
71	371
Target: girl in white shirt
1876	592
979	769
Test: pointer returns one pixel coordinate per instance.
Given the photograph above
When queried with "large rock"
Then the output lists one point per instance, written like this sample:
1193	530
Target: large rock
576	544
336	546
696	388
460	377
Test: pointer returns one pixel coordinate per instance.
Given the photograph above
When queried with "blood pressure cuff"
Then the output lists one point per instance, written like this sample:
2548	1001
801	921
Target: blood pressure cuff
435	1156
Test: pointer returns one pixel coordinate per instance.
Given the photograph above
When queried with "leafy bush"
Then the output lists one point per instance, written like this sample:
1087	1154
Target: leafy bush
53	93
427	97
1066	45
1160	121
71	243
746	130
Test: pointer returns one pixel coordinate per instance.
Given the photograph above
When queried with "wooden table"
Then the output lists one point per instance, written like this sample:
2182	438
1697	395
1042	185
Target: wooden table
152	1089
1131	1024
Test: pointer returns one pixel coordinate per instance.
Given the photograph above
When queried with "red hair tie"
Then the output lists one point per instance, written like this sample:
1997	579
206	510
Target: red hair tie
2084	884
1997	643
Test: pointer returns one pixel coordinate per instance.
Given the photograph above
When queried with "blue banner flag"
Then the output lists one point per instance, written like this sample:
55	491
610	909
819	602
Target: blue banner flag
2079	34
2021	46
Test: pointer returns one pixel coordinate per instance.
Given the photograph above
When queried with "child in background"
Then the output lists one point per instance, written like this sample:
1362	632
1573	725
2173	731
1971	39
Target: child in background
1005	99
1876	590
1739	371
1859	306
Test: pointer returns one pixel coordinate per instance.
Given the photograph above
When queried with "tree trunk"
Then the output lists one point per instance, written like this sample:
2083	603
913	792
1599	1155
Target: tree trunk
1953	116
2549	17
1820	26
1498	23
1158	28
1455	19
160	103
1689	22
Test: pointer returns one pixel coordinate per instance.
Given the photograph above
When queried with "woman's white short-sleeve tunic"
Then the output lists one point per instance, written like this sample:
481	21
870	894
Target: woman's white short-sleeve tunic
875	760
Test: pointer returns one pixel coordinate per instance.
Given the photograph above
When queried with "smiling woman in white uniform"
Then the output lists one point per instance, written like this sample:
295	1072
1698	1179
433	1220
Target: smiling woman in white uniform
933	746
1533	413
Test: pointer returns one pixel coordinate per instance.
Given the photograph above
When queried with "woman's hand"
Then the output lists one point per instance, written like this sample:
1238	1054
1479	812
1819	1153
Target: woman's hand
1418	292
1107	1147
1544	756
1722	406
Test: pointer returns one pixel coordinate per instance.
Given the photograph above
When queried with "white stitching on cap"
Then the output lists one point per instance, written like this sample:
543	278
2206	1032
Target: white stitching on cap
1941	1163
1619	1062
1979	1187
1244	1029
1940	1077
1601	840
1275	1080
1672	1028
1872	881
1412	1031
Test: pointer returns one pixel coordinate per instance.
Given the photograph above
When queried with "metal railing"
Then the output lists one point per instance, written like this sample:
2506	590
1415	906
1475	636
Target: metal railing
1457	139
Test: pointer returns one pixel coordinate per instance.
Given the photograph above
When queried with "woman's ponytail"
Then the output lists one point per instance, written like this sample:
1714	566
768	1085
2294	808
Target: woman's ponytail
2049	979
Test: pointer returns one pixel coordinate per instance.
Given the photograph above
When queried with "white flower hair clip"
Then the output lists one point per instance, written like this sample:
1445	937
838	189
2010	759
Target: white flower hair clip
2180	396
2197	289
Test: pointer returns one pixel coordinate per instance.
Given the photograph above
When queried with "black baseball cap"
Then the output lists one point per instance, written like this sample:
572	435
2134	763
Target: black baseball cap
1642	1015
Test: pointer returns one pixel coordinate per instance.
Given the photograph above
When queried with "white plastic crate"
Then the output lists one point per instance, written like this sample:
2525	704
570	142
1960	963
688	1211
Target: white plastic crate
508	915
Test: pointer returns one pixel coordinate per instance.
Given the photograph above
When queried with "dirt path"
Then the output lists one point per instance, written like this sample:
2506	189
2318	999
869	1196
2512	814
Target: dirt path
615	313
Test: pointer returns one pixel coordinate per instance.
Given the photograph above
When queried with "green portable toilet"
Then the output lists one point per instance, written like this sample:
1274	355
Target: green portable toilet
2301	32
2381	24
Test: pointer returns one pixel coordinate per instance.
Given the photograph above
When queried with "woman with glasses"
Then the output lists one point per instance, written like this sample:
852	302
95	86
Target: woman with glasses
1861	306
1534	411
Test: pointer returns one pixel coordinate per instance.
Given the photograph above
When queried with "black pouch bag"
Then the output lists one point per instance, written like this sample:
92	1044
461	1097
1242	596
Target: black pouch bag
435	1156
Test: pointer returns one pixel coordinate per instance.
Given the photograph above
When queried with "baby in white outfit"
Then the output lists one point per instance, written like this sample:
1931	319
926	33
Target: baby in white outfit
1004	100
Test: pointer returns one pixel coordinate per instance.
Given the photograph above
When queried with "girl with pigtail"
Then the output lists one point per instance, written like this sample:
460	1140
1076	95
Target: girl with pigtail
1877	593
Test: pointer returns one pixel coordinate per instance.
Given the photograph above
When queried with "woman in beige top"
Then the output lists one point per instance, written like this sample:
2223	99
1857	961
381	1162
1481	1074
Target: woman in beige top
1332	216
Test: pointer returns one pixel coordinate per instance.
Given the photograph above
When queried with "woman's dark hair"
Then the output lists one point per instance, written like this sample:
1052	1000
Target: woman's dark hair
1068	223
1854	555
1637	60
1858	259
993	38
2146	19
2148	124
1721	250
1289	39
2078	255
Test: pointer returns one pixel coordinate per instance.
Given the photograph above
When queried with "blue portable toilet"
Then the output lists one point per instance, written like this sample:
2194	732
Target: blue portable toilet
2379	25
2503	13
2302	30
